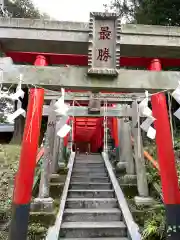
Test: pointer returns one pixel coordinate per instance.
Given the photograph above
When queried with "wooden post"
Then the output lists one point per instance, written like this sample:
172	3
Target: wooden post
25	175
115	136
122	156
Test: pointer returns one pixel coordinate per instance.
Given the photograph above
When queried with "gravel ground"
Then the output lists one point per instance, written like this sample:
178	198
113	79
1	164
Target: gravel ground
9	159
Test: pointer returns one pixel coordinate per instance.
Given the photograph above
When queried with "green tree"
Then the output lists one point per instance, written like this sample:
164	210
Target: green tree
125	8
21	9
155	12
164	12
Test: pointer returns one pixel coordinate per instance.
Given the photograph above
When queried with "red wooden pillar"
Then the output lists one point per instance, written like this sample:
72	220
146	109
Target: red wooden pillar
115	132
24	178
115	136
166	158
25	175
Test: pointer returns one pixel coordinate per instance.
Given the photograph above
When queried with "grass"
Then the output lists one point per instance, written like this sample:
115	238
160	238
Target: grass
154	226
9	159
9	162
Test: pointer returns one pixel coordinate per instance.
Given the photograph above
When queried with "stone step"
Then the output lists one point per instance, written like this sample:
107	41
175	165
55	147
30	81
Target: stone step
109	238
87	156
100	203
88	174
93	229
92	215
89	169
89	161
90	185
89	165
91	193
90	179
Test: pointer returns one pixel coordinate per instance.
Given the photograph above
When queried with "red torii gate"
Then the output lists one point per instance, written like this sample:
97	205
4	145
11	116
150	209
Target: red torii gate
166	158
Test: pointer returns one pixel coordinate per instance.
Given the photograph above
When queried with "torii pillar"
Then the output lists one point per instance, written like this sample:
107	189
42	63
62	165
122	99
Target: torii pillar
166	159
25	175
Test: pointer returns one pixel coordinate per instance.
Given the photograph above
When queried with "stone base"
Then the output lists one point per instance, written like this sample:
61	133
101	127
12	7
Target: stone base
56	178
46	218
144	201
129	178
42	205
173	221
62	165
121	165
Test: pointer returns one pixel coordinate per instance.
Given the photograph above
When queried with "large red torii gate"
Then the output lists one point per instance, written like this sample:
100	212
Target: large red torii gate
165	153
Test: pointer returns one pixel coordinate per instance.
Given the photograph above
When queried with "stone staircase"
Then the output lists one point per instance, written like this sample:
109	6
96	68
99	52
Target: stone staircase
92	210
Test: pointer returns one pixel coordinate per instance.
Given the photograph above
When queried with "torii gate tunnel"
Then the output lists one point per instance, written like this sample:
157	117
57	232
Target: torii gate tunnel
97	71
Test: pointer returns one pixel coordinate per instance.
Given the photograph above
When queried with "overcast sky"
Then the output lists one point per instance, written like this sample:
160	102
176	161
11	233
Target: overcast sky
70	10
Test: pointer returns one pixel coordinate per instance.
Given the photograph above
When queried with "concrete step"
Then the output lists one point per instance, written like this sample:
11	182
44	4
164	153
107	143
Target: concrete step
109	238
100	203
92	215
93	229
87	156
89	169
88	174
90	185
89	165
91	193
89	161
86	179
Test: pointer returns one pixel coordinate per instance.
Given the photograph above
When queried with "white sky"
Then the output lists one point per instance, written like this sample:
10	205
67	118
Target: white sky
70	10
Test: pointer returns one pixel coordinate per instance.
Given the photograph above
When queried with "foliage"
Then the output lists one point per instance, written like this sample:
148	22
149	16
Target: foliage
22	9
125	8
164	12
17	9
9	158
6	107
154	227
